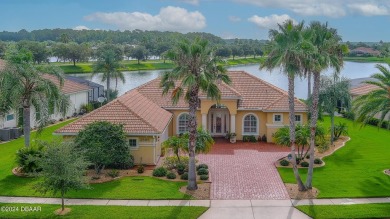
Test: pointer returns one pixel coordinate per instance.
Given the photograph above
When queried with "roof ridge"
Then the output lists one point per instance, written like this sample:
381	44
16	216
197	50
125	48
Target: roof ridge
136	114
275	101
232	88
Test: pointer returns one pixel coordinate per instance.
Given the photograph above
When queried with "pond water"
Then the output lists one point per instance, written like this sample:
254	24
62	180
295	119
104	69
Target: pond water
351	70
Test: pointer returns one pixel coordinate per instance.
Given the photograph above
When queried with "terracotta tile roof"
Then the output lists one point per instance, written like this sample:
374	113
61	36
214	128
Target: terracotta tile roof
253	93
2	64
363	89
259	94
138	114
69	87
365	50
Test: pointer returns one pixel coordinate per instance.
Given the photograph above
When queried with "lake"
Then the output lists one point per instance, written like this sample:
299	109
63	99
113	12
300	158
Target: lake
351	70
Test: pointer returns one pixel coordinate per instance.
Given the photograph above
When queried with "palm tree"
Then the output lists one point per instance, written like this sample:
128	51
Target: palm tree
109	64
196	69
177	143
376	102
287	51
328	53
333	90
23	84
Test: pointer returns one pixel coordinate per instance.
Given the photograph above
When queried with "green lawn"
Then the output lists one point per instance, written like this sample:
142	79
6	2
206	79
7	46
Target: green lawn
347	211
88	211
132	65
356	170
124	188
367	59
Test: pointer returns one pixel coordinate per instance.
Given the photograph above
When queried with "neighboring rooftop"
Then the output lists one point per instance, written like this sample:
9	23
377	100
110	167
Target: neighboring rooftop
69	87
84	81
365	50
358	87
138	114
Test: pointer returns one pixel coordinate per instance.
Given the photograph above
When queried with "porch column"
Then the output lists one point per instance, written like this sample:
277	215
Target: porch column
232	123
204	121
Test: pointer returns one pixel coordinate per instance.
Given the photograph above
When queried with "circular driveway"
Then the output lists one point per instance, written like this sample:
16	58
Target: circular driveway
245	170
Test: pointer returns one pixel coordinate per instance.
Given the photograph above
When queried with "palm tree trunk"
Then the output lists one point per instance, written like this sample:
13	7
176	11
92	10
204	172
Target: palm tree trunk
308	84
313	125
26	125
301	187
332	128
108	87
193	104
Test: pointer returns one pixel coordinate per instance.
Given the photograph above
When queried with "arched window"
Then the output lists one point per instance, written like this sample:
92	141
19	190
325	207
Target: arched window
250	124
182	123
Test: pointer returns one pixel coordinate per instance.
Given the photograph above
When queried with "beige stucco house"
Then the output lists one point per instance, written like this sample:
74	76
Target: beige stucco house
248	106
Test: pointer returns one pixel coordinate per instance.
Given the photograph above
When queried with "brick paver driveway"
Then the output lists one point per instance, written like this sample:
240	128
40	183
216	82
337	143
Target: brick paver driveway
245	170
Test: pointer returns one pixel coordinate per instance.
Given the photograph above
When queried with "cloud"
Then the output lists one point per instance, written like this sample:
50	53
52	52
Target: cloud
328	8
81	27
169	19
269	22
368	9
234	19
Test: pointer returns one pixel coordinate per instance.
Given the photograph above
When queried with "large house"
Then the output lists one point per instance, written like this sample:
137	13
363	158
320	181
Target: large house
78	94
248	106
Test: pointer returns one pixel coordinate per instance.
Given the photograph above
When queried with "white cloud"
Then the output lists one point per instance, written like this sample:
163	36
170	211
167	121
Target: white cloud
329	8
368	9
269	22
234	19
169	19
81	27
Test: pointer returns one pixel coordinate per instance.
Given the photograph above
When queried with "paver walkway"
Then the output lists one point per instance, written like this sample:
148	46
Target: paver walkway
245	170
227	209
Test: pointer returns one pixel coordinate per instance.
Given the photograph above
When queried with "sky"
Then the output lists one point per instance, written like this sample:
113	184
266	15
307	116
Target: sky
355	20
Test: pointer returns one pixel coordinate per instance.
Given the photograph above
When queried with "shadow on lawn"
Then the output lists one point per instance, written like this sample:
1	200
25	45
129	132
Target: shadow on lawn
378	186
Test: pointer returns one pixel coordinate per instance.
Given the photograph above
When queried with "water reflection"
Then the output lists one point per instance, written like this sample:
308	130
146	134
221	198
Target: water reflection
136	78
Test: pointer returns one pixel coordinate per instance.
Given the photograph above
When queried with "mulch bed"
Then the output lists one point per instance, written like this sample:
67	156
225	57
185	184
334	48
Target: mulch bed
294	193
387	172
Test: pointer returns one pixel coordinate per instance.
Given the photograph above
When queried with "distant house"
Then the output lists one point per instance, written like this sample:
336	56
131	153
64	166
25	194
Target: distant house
358	87
96	91
78	94
249	106
361	51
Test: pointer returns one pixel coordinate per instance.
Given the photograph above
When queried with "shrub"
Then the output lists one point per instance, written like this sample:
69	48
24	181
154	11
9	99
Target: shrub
348	115
160	172
181	168
173	162
284	163
304	164
202	165
323	145
141	169
171	175
203	171
317	161
249	138
264	138
28	158
105	144
184	176
204	177
308	156
113	173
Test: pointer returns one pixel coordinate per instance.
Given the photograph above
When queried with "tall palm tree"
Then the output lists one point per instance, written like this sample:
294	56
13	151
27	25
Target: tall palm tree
108	63
333	90
328	53
196	70
23	84
376	102
288	47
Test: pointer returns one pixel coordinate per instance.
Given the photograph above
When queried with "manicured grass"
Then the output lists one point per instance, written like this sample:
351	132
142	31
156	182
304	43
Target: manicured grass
356	170
88	211
347	211
132	65
124	188
367	59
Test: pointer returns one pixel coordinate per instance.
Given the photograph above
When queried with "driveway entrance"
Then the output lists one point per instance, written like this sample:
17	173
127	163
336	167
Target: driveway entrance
245	170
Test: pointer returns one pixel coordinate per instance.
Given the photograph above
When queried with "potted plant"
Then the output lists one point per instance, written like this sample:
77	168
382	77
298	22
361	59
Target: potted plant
232	137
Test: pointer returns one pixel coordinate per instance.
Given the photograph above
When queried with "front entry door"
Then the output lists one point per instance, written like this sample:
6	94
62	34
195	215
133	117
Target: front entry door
219	122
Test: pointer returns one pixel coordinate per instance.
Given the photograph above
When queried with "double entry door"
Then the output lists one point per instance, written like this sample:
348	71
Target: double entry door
218	122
